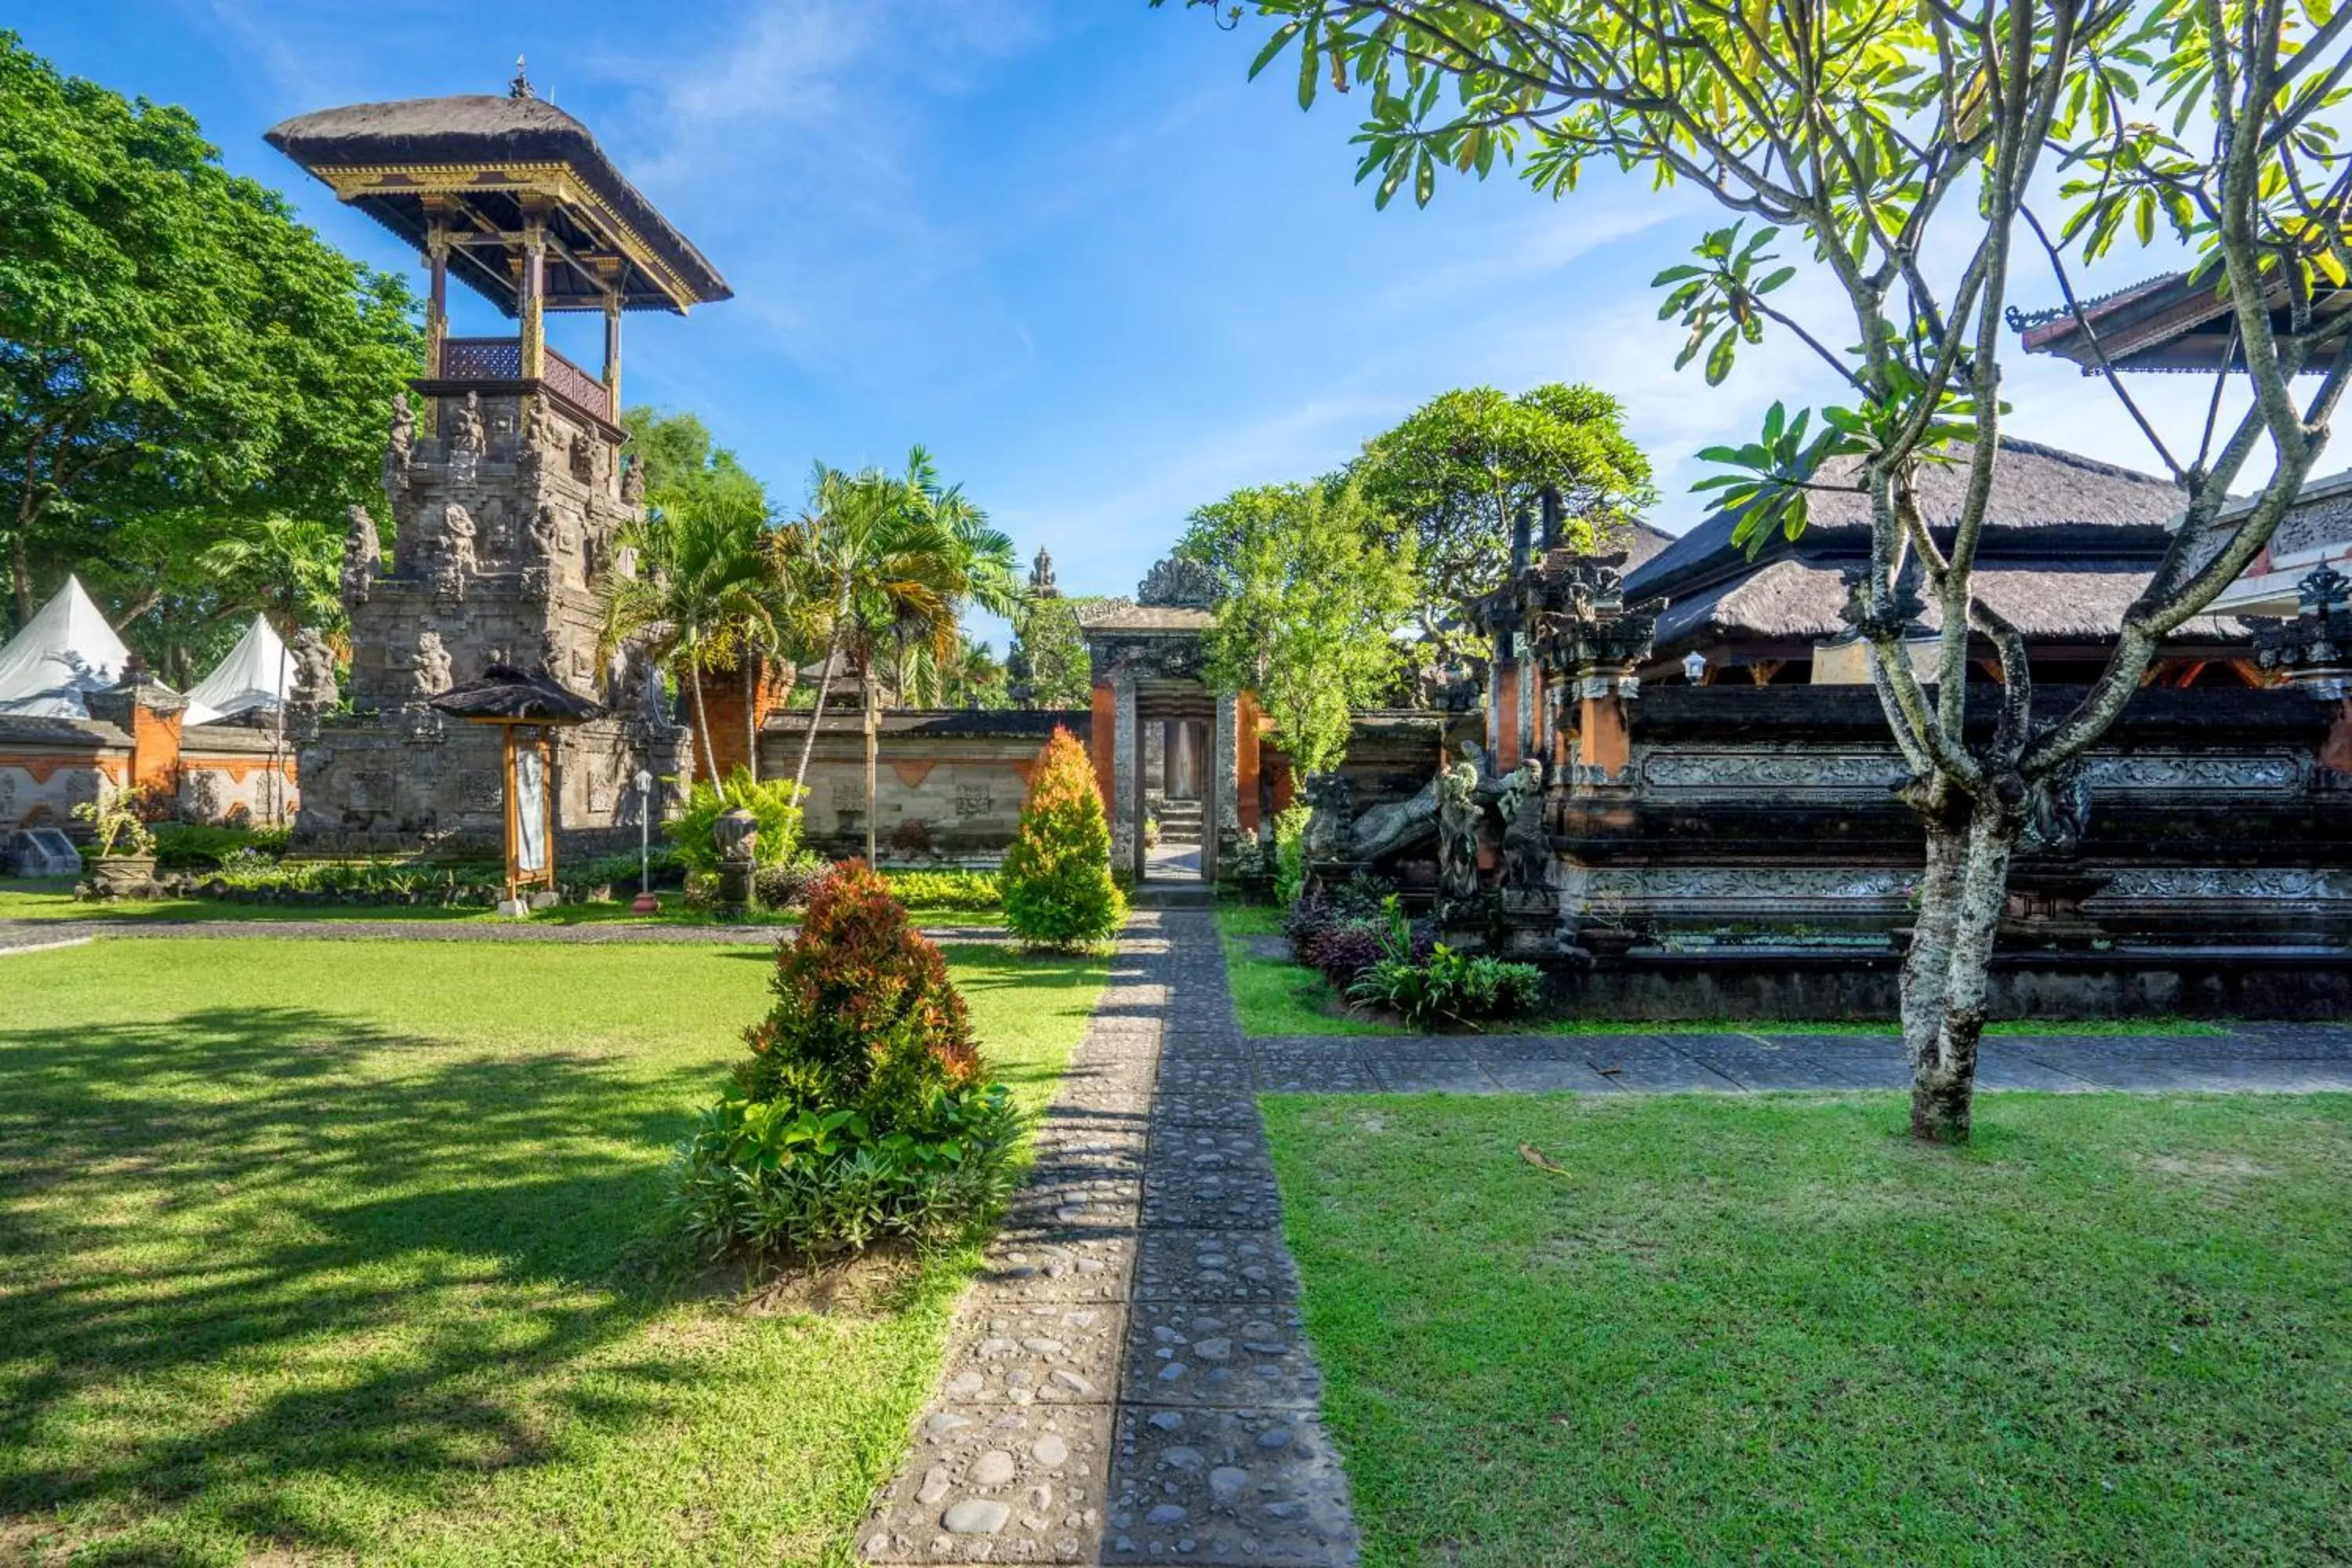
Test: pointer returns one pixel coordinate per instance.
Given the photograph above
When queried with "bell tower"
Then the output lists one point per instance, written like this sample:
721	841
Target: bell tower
506	479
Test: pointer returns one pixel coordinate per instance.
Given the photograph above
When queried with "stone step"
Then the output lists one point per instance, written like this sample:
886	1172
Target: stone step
1173	895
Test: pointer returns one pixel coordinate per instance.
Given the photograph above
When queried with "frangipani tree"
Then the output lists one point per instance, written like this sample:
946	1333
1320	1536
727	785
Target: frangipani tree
1920	156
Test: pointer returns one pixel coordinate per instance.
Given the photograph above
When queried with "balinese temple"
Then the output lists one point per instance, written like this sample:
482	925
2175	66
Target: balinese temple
2069	543
505	477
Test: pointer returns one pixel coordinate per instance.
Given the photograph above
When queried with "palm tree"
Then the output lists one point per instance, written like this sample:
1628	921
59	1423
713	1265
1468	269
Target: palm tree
703	592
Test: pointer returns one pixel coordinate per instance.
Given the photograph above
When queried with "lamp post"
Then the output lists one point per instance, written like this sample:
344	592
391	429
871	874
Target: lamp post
1694	667
645	903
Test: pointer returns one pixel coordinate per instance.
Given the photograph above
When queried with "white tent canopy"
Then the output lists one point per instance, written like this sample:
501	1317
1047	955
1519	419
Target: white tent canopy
65	650
253	674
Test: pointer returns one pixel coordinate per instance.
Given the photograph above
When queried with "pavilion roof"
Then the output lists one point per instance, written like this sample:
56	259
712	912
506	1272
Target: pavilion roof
505	695
2166	323
486	156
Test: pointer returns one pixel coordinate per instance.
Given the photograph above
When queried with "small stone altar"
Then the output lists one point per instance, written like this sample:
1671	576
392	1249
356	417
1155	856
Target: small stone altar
505	478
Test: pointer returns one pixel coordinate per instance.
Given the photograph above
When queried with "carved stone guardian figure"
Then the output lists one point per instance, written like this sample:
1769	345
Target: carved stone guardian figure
431	665
456	561
362	553
1527	849
633	482
311	689
583	458
1458	819
1331	824
399	449
468	441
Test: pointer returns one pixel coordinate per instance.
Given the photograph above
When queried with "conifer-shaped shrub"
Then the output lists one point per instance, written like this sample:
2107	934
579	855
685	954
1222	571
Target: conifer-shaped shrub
864	1109
1058	890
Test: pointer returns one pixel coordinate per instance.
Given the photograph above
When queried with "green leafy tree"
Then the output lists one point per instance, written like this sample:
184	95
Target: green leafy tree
1048	665
177	353
704	586
1459	469
1904	150
1058	889
1315	591
893	560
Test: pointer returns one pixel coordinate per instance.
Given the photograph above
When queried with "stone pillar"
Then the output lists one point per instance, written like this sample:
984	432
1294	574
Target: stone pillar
612	356
1248	761
151	714
1222	821
1127	792
1605	738
1101	740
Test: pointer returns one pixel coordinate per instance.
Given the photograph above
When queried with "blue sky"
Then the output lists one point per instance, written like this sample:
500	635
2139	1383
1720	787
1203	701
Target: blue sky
1063	243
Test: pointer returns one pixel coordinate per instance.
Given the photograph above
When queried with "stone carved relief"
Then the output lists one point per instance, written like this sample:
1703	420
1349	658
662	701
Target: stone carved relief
362	553
1458	819
2277	771
583	458
1770	885
310	689
1178	584
1772	770
1526	846
633	483
2281	882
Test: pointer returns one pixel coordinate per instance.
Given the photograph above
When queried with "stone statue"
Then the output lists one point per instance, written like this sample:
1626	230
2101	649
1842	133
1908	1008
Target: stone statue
583	458
399	447
1041	575
550	653
310	689
633	482
2061	811
431	663
1176	583
544	533
1394	826
1458	819
465	432
1526	848
362	553
1330	827
468	441
455	562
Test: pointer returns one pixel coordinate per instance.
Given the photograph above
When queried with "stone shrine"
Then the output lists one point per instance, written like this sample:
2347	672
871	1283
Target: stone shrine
504	472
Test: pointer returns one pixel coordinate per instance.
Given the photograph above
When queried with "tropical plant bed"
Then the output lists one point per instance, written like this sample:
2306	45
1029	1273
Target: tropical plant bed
1274	995
352	1259
2112	1330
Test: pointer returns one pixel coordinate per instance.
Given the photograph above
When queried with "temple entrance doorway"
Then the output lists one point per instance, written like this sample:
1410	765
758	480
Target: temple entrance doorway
1176	723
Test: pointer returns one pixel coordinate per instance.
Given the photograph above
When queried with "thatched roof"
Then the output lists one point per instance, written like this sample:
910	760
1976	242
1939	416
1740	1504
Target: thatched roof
2166	323
482	135
2069	543
505	695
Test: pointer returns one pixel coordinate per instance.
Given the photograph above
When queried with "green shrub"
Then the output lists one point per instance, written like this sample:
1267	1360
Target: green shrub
946	889
197	846
864	1109
1058	890
1446	987
1290	852
116	827
790	885
775	802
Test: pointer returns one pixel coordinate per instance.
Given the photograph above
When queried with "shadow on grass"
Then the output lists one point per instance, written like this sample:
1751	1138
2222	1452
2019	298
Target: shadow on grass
233	1253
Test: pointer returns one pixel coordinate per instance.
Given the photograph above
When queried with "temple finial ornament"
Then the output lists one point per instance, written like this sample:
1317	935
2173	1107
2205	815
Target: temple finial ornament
1041	576
521	86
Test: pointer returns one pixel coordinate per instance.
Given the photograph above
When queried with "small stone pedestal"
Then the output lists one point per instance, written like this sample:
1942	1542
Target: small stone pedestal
737	837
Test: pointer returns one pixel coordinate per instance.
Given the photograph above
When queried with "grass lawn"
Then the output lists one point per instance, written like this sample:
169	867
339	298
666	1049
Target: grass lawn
336	1253
2115	1330
1277	996
54	900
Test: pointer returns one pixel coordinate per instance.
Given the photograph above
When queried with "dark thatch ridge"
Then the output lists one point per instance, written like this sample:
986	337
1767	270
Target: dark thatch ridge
510	696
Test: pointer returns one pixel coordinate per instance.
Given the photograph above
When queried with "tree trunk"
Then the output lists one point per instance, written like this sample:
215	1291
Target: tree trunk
701	718
20	579
751	673
1962	895
816	709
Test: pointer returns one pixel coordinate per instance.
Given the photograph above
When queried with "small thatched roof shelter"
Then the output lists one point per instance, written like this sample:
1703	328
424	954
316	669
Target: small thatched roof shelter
505	695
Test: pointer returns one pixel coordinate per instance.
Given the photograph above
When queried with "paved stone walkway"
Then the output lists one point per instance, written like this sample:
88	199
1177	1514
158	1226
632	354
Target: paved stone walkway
34	935
2273	1058
1127	1381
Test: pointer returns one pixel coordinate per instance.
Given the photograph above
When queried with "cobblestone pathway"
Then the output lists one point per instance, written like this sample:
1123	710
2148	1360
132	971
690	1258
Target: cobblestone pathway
1127	1381
2257	1057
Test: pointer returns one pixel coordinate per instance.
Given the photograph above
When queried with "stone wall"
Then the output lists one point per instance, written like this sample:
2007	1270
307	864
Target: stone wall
948	786
48	766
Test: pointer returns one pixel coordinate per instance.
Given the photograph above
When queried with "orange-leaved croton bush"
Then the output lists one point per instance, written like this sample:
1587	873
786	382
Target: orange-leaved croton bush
1058	890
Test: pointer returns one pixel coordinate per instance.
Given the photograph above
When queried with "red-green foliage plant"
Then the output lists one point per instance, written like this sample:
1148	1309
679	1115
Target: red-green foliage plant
1058	890
864	1109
